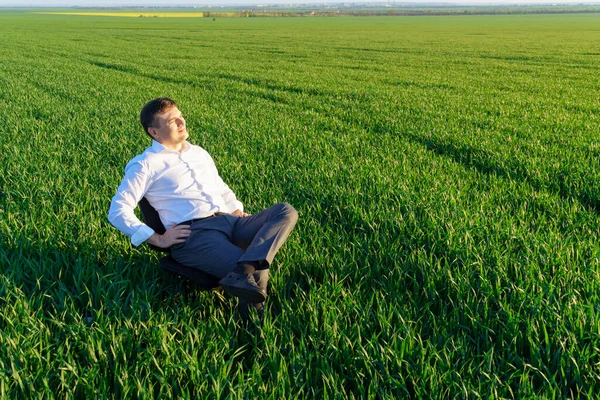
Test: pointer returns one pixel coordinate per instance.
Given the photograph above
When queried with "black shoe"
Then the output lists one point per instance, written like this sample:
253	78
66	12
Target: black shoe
244	287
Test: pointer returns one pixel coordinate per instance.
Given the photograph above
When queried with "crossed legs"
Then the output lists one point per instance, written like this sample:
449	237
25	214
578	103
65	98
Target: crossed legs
218	244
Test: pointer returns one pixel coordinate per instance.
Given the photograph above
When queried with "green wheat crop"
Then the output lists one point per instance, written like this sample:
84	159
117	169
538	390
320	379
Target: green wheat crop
445	170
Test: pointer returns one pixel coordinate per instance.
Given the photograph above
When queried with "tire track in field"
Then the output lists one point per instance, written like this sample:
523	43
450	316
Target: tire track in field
133	71
108	65
462	153
483	161
272	86
564	181
286	94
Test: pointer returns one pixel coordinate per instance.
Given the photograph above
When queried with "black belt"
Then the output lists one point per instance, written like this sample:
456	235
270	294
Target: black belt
191	221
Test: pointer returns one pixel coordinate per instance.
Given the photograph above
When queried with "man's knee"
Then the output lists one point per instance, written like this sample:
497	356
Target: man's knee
288	212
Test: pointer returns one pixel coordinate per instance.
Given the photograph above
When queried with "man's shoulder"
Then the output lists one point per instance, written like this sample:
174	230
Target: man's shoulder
198	151
195	147
140	161
143	159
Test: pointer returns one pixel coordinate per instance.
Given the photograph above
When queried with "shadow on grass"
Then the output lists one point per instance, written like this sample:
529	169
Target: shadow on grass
78	280
484	162
136	72
426	281
424	85
271	86
371	50
361	248
272	97
108	315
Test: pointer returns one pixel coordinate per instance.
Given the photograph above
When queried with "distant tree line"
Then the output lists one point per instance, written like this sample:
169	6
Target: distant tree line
404	12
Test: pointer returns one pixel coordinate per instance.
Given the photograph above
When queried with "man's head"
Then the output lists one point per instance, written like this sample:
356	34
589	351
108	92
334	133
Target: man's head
163	121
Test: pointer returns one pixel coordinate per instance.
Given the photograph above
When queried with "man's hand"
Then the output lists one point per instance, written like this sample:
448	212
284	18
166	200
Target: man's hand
240	213
176	234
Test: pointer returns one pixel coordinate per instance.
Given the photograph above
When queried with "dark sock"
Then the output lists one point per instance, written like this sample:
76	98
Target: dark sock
246	267
260	265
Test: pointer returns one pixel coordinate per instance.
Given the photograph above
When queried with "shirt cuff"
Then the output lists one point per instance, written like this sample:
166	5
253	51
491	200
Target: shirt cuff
141	235
236	205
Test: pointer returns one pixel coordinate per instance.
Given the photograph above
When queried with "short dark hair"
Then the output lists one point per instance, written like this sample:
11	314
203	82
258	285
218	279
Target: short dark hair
153	107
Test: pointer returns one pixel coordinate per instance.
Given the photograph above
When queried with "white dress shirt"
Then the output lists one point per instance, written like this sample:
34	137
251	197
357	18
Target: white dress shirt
180	185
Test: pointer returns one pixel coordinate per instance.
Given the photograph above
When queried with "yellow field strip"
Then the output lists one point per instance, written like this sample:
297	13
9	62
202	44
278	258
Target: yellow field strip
127	14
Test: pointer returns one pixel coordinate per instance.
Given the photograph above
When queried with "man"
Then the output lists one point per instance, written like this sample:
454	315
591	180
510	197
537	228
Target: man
206	226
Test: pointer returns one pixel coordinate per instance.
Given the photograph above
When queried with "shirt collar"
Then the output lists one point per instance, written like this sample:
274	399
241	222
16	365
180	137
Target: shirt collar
159	148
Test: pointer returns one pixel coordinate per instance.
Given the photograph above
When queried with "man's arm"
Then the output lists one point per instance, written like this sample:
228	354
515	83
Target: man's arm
121	214
227	194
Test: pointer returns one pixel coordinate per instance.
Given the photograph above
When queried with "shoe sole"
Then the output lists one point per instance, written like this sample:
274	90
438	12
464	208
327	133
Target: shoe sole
250	295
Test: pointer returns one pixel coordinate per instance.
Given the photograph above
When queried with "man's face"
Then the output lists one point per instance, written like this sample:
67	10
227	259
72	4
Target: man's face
170	128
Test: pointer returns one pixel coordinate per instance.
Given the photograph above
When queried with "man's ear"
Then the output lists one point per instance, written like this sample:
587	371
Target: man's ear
152	132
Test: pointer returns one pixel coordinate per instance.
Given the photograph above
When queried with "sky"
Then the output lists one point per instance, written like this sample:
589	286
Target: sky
141	3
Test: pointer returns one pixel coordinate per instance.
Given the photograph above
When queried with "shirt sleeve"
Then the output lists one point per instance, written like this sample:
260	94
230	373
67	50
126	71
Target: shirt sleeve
121	213
227	194
230	199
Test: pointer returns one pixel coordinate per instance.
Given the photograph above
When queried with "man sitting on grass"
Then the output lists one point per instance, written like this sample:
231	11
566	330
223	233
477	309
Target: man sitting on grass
206	226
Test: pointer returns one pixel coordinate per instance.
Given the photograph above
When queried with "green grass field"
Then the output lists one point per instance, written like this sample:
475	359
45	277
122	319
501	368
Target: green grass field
445	170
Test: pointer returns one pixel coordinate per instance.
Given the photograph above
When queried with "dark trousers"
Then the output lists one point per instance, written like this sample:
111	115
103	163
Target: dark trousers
218	243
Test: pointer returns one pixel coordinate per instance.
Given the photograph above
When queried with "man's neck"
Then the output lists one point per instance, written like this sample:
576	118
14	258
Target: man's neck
179	147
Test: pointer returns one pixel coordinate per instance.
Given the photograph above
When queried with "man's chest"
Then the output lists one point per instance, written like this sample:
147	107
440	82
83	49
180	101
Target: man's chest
178	173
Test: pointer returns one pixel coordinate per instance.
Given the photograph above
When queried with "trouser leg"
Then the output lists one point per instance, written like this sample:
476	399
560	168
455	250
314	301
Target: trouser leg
218	244
263	234
209	247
